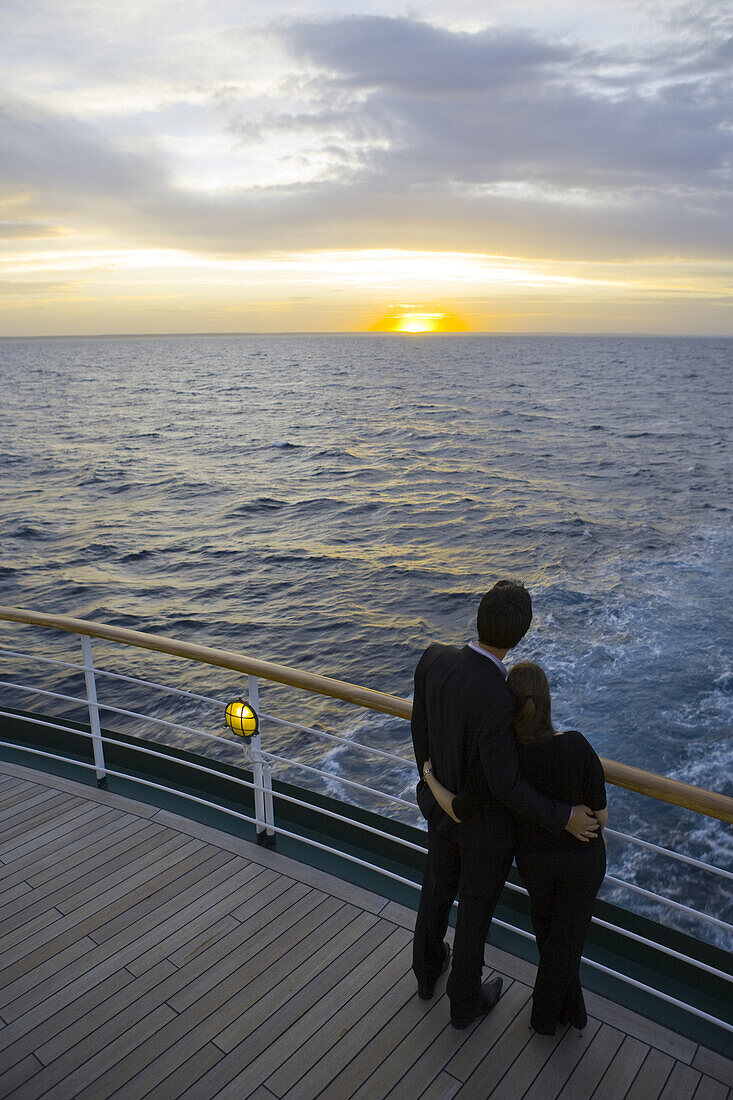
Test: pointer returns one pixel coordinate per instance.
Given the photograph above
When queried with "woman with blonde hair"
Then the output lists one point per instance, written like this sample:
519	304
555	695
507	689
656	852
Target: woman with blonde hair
562	876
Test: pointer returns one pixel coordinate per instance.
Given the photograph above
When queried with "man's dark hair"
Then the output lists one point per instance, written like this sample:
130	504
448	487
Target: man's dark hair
504	615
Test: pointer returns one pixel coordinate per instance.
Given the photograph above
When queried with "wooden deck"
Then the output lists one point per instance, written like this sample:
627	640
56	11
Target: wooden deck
145	955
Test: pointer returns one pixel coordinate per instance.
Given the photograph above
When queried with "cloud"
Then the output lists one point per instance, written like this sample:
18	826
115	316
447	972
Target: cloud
58	154
28	230
424	138
415	58
32	288
503	105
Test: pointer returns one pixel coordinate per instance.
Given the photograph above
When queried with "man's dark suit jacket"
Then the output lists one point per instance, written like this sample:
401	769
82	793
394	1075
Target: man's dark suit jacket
462	721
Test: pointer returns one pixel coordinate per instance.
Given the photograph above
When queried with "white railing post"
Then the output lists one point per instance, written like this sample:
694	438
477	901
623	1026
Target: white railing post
269	805
261	776
91	686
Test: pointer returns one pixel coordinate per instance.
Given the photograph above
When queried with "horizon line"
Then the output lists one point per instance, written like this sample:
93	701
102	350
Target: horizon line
361	332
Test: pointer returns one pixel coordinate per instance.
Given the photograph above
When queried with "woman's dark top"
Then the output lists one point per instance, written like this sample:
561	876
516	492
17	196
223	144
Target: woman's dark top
565	767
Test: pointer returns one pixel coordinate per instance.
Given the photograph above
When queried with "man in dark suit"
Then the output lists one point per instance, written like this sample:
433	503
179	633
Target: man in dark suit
461	722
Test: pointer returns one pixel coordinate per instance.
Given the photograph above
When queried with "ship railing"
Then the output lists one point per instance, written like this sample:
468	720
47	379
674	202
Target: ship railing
262	763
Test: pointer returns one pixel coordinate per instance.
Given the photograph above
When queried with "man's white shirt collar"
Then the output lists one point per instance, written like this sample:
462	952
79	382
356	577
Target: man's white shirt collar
485	653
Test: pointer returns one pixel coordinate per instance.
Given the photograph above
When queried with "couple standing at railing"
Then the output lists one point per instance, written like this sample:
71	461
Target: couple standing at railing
499	782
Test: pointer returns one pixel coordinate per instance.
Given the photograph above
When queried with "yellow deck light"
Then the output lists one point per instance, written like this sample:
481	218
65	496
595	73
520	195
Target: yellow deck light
242	719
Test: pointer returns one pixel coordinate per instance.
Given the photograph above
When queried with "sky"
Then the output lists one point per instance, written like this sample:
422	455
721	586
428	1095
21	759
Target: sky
318	166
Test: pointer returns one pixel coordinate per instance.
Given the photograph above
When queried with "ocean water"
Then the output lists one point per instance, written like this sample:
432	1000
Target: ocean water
337	503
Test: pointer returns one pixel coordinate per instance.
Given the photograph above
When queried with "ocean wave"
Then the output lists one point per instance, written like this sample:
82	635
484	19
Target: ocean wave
319	505
261	504
335	452
26	532
143	554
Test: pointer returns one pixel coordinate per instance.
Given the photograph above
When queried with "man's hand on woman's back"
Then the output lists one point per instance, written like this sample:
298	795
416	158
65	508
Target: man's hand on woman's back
582	824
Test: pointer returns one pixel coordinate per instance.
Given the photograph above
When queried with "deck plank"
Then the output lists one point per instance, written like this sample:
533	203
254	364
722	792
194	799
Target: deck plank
244	945
196	1027
43	860
581	1081
105	961
498	1058
619	1075
510	1011
443	1087
648	1031
362	1053
11	781
86	789
18	980
98	912
265	1024
30	830
133	837
81	1065
148	861
710	1089
32	820
25	1042
714	1065
310	982
402	1012
186	1074
329	1020
18	1074
79	824
25	799
12	892
681	1083
312	876
432	1043
327	1053
183	866
33	990
149	956
43	871
88	1023
427	1047
286	1033
652	1077
185	943
212	882
71	890
547	1058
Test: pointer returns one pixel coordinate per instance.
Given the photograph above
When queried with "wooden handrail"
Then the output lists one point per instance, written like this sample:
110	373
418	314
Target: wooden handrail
661	787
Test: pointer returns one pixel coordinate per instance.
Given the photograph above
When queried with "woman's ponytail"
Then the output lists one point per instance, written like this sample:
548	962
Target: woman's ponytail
532	721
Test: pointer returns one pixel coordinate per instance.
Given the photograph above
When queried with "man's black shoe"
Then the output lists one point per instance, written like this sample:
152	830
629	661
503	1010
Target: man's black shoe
490	993
426	989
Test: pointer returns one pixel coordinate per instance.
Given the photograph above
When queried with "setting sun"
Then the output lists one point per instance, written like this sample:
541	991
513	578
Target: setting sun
413	320
419	322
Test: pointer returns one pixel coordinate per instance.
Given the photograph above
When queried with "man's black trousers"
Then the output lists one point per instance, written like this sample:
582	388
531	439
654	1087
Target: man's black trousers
477	875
